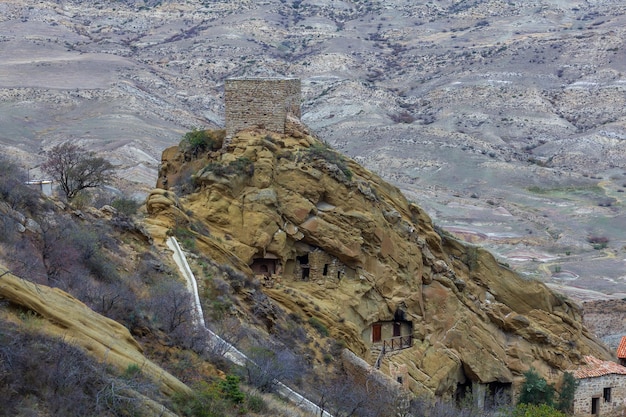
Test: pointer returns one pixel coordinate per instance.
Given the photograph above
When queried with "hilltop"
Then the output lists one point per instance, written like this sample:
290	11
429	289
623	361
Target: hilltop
335	247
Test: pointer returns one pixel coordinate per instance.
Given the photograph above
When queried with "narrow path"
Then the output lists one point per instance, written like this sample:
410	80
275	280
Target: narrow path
232	354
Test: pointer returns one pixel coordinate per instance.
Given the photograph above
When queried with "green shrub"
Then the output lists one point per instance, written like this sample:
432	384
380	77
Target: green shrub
536	390
319	326
217	399
255	404
205	401
568	391
186	237
471	257
230	388
324	152
598	242
240	166
198	141
125	206
533	410
131	370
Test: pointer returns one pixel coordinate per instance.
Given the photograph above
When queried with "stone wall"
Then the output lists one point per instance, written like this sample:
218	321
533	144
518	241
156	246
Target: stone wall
321	266
590	388
383	391
400	374
260	102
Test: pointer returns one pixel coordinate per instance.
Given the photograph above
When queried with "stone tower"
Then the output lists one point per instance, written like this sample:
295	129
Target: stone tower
260	102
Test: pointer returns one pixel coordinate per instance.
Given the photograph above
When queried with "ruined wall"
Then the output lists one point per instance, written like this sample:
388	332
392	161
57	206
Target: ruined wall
400	374
382	390
320	267
590	388
260	102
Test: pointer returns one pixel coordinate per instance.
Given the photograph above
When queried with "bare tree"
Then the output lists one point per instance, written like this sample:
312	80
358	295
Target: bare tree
266	367
76	169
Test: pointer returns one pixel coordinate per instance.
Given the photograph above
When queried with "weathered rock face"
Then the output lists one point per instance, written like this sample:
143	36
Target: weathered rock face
101	337
336	242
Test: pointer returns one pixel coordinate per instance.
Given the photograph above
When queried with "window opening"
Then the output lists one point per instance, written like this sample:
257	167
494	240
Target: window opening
325	272
397	329
303	260
607	395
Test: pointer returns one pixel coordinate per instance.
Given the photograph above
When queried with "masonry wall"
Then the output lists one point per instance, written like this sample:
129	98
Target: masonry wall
590	388
383	391
321	268
260	102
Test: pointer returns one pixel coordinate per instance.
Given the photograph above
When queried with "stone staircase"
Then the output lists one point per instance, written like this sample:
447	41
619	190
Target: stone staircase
376	356
379	350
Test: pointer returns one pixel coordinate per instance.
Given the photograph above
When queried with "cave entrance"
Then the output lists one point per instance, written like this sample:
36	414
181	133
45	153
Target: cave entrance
463	391
498	394
266	266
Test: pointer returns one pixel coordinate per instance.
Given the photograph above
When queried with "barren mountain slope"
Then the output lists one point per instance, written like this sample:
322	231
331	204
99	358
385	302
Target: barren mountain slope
504	120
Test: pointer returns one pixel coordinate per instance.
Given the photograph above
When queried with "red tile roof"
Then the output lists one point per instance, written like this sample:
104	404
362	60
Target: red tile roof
596	367
621	349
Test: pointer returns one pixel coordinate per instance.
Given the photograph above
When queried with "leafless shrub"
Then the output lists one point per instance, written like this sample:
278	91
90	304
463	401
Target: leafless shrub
41	373
342	396
13	189
230	333
270	365
237	279
171	305
114	300
291	333
71	251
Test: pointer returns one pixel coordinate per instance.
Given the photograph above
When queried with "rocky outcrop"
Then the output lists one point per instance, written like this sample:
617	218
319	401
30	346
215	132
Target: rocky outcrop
336	242
68	318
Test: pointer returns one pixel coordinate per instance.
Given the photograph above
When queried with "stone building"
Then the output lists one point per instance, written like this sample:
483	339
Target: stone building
601	390
260	102
395	334
318	266
267	266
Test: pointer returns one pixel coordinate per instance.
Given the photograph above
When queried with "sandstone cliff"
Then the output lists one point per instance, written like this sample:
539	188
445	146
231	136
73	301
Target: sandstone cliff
105	339
333	241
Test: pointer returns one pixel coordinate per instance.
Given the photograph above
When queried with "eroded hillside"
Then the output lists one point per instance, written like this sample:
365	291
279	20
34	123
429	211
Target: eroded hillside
333	243
95	320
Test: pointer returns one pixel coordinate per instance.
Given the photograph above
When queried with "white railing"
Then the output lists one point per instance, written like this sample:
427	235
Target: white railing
232	353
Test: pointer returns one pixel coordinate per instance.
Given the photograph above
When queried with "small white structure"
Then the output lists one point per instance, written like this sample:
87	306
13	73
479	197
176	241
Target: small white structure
43	186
